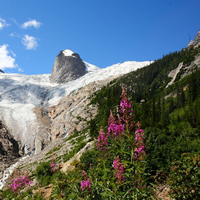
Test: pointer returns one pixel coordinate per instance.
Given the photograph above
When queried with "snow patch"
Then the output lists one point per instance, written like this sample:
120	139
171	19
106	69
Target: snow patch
68	52
90	67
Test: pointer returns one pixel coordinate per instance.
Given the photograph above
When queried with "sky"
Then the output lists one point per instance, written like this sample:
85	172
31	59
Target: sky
102	32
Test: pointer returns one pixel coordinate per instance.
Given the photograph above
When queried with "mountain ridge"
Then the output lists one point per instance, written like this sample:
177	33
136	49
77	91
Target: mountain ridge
20	94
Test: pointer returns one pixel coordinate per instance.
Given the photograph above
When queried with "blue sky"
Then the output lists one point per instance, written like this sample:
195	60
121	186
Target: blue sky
102	32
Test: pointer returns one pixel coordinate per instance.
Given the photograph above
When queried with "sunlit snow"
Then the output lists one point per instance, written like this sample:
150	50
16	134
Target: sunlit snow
19	94
90	67
68	52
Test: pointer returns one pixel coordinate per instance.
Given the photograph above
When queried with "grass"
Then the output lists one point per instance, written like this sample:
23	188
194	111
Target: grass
53	150
74	151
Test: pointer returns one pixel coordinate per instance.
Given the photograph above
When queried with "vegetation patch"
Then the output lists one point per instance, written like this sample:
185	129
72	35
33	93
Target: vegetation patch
54	150
75	150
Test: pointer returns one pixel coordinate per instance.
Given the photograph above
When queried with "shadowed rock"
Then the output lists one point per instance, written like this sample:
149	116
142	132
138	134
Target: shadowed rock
9	149
68	66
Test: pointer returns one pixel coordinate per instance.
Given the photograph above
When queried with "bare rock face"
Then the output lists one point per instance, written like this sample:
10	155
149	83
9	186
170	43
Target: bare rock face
9	148
43	137
68	66
196	41
1	71
72	113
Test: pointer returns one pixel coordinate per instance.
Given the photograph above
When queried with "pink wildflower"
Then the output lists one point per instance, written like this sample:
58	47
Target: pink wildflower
102	140
116	129
126	111
20	182
111	119
52	164
86	185
140	146
119	170
84	173
54	167
125	105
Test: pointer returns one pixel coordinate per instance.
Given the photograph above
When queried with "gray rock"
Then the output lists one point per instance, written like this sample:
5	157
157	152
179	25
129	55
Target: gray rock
68	66
196	41
9	149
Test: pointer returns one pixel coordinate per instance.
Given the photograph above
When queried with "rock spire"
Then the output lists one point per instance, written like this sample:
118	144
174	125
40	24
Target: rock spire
68	66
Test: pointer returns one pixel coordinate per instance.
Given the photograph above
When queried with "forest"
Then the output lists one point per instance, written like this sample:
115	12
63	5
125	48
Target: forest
169	116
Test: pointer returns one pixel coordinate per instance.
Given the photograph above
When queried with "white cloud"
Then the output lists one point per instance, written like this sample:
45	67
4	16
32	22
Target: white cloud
15	21
29	42
20	70
3	23
6	61
14	35
31	23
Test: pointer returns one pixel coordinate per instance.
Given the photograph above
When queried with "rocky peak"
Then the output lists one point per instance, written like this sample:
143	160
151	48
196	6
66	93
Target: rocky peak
196	41
68	66
1	71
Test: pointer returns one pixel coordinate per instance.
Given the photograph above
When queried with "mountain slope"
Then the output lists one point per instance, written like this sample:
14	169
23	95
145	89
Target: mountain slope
166	104
20	94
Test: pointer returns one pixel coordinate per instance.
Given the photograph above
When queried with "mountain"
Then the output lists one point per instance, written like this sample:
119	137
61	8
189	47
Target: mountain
68	66
61	121
36	111
21	94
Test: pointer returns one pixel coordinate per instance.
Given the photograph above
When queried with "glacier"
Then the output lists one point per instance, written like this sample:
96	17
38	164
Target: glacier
20	94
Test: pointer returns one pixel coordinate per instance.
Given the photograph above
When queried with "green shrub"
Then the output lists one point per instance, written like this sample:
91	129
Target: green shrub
89	158
43	173
75	134
184	179
76	149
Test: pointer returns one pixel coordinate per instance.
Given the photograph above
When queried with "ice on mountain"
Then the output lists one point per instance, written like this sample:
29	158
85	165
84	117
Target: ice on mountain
20	94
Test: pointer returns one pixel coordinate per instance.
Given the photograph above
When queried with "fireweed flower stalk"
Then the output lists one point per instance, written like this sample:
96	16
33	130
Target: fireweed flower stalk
123	149
139	157
136	142
102	140
139	143
115	127
118	170
125	109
